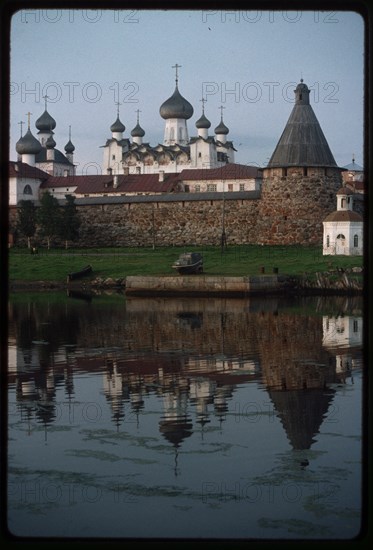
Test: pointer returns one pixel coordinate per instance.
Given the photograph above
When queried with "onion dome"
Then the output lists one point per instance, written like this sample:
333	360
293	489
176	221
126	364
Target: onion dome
45	123
138	131
203	122
117	126
50	143
28	144
176	106
69	147
221	129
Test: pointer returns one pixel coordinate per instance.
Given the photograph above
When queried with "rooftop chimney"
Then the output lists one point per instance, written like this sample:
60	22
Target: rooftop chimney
161	176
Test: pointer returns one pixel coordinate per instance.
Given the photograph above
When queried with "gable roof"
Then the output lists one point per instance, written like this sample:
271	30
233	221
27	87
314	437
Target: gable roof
58	157
19	169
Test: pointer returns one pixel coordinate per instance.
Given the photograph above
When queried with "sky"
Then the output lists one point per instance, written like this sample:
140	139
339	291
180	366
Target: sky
249	62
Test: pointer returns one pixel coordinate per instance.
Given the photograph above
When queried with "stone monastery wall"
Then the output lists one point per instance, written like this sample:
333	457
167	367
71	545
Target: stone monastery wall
290	211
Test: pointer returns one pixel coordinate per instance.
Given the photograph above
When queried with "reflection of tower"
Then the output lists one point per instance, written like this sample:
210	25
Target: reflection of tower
301	413
113	390
175	425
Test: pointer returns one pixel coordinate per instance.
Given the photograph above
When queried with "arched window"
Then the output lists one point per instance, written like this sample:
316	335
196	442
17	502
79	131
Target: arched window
356	241
172	134
340	236
27	190
327	241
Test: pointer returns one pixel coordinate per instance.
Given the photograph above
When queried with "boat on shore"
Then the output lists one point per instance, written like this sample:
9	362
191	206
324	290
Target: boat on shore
79	274
189	263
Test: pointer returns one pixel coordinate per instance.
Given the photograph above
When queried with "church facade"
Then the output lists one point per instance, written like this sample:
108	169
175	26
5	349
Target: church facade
122	155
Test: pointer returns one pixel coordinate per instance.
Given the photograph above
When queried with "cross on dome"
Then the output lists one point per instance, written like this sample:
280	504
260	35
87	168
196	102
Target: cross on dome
45	97
176	67
21	123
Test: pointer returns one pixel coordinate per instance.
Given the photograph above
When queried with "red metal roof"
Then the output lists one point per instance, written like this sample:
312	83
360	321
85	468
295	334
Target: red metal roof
228	171
132	183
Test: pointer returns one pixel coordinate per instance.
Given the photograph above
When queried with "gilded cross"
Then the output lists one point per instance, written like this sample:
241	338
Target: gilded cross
45	97
203	104
221	110
138	112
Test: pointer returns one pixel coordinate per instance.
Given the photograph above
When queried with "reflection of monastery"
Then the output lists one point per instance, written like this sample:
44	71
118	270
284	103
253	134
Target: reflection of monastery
195	385
184	177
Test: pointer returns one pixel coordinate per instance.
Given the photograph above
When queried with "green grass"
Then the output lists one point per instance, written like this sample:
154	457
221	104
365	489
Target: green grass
55	264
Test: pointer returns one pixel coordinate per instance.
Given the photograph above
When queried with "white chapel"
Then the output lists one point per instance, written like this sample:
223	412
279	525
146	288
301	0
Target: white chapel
343	228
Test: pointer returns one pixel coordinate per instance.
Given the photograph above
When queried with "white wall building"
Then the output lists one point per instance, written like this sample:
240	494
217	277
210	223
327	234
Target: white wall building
177	152
343	228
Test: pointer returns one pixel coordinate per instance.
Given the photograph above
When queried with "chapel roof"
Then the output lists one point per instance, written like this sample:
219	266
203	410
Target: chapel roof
344	216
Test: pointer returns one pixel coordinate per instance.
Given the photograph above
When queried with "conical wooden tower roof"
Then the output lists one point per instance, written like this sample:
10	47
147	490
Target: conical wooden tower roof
302	142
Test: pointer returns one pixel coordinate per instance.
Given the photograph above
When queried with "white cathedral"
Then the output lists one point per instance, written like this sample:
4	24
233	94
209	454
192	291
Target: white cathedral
178	152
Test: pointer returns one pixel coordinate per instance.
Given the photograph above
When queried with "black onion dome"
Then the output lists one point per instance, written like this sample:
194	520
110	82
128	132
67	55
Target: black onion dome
45	123
138	131
28	144
176	106
117	126
221	129
69	147
203	122
50	143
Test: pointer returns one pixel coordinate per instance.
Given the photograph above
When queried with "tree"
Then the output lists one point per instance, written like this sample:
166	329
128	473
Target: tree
49	217
70	222
26	223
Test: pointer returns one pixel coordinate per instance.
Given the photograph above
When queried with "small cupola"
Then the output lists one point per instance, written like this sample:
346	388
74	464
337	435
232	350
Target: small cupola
302	94
117	128
221	130
203	123
138	133
28	146
344	199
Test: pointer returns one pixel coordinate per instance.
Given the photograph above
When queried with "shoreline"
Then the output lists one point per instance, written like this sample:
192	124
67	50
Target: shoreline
203	285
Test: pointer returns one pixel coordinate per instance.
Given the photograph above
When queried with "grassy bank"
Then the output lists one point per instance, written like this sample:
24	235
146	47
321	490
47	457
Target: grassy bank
54	265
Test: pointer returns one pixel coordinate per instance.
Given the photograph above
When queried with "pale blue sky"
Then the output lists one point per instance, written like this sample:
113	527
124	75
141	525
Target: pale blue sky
249	62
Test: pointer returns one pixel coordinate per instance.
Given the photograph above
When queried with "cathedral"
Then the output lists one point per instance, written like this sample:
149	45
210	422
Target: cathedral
177	152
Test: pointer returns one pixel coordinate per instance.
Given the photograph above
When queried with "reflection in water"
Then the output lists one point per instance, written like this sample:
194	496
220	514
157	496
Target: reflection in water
200	376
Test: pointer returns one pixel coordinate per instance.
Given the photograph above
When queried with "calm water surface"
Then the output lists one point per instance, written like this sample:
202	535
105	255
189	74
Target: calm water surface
184	418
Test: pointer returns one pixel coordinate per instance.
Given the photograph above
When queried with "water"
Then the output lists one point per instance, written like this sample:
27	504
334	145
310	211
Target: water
184	418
